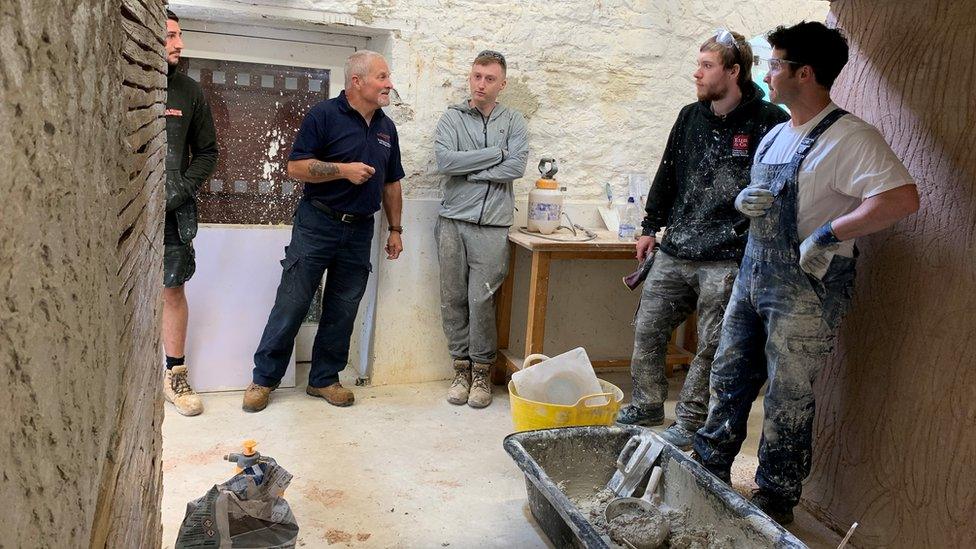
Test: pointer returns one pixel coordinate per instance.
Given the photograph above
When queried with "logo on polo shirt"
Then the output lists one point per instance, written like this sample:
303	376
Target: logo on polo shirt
172	112
384	139
740	144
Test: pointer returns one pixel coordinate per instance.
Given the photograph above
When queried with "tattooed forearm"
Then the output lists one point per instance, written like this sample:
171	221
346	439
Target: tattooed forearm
317	168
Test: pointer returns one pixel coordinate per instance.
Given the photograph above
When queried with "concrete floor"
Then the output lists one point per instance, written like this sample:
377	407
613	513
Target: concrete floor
401	468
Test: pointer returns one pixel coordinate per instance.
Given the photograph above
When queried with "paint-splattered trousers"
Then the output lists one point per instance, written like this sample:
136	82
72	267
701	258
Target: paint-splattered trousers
780	326
473	264
673	289
179	259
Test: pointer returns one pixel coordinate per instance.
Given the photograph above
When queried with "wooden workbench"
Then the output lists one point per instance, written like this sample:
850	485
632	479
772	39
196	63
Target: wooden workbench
605	246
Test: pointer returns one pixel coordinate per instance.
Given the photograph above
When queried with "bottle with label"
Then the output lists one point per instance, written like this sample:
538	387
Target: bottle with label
629	220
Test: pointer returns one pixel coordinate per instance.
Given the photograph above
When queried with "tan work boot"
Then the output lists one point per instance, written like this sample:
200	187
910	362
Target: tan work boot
256	397
458	393
176	389
480	394
334	394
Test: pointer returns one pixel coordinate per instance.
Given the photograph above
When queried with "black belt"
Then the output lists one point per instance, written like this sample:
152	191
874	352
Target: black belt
339	216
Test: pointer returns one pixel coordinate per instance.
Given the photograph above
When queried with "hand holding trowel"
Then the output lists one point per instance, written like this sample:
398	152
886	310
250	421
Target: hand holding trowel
634	279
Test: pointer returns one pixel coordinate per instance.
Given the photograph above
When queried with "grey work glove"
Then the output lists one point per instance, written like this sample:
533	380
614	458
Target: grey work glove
817	250
754	201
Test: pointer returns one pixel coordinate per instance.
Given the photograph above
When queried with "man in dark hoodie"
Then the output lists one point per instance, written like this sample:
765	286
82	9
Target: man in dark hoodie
191	158
483	146
706	163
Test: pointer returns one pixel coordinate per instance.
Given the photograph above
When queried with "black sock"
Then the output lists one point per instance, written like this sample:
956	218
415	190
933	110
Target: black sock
174	361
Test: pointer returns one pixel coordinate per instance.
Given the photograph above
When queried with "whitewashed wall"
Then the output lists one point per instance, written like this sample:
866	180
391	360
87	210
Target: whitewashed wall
599	80
600	83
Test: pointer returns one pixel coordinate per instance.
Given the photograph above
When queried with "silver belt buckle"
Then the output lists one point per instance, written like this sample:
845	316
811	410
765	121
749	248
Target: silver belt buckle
347	218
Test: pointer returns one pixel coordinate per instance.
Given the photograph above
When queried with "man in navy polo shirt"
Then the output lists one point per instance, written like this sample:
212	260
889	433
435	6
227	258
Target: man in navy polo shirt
348	155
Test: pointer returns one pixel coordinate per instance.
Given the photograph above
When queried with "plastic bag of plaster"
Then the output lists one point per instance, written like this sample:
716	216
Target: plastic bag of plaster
245	511
562	379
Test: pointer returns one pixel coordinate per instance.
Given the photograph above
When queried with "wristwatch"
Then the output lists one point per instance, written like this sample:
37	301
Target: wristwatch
396	229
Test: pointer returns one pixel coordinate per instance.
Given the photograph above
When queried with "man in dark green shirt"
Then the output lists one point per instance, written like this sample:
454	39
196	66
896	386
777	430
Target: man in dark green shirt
191	157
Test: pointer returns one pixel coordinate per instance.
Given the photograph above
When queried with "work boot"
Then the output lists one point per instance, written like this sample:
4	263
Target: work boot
723	475
334	394
256	397
773	506
633	414
176	389
458	393
679	436
480	394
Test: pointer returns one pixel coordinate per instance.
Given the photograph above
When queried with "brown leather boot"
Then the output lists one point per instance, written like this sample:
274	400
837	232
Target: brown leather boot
334	394
256	397
480	395
458	393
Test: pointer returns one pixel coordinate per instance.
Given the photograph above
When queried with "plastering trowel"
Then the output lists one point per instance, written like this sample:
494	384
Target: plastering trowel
633	463
610	217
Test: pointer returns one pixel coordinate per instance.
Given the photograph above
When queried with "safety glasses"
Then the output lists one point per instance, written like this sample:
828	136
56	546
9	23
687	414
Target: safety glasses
492	54
726	38
773	65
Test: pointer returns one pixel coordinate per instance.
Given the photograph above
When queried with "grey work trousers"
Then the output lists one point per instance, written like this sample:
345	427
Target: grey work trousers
473	264
673	289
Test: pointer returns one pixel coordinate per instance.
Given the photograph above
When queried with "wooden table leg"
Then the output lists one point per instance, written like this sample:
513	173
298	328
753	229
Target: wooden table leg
535	325
503	319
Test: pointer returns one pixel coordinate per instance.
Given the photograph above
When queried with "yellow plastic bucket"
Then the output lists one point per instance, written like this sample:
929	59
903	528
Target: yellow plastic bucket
597	409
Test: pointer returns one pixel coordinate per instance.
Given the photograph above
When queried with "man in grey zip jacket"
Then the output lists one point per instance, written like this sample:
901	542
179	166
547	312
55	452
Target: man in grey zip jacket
483	147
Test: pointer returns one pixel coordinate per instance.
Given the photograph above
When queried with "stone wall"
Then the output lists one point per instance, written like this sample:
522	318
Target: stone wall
601	81
82	86
895	439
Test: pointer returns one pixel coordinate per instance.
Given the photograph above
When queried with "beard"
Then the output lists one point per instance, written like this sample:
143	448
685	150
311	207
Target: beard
713	93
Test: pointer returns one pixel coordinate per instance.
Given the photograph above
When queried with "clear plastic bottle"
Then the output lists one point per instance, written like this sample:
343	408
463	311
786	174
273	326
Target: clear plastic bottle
629	220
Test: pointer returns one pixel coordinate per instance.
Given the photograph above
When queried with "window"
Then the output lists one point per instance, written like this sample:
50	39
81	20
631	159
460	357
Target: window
257	110
260	83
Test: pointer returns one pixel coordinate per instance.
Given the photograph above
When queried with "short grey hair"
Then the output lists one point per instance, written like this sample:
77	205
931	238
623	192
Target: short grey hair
358	64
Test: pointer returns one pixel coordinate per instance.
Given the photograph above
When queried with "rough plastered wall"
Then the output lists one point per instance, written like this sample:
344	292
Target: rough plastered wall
81	130
895	431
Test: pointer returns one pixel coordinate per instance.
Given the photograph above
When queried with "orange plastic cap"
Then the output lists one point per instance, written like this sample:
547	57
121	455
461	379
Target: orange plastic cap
249	447
546	184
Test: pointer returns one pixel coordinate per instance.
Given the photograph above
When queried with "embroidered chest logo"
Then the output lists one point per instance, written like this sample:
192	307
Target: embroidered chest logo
173	112
740	144
383	139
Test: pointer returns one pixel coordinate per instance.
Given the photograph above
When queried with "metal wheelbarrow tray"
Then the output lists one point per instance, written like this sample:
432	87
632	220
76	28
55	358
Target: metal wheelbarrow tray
554	460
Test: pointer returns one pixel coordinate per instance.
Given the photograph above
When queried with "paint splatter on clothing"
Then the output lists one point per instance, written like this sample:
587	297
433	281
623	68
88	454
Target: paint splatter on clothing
473	264
780	326
705	165
674	288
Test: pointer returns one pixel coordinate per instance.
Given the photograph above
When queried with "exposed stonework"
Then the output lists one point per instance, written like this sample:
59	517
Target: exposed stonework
601	82
81	129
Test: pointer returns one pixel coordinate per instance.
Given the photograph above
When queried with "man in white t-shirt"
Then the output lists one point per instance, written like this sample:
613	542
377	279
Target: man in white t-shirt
818	182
